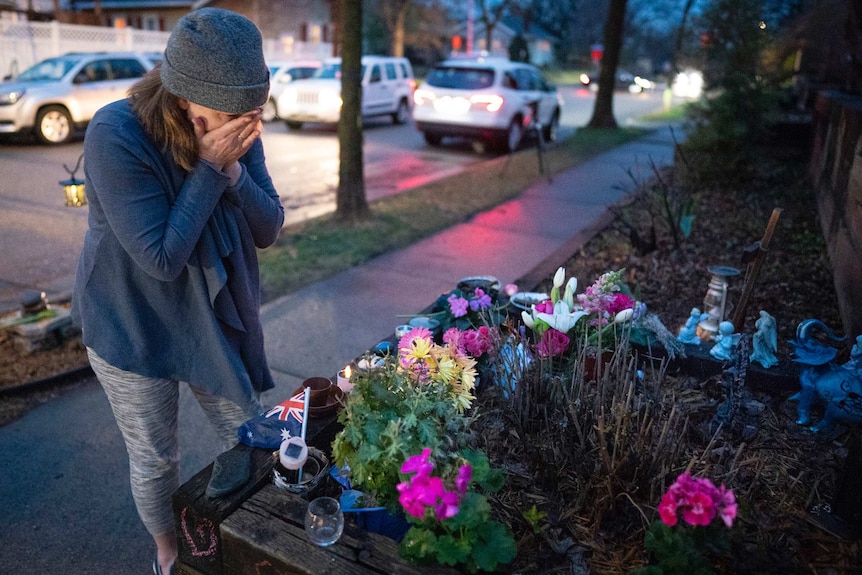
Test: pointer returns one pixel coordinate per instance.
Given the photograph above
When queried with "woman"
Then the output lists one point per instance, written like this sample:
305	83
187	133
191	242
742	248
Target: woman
167	283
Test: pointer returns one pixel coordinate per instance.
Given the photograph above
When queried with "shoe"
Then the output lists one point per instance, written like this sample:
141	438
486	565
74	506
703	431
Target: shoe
230	472
157	569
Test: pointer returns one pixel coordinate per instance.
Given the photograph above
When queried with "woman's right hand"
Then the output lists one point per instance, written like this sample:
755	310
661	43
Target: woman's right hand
227	143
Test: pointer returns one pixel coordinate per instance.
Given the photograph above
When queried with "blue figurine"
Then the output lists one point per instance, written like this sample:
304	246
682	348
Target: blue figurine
688	332
765	341
839	386
724	341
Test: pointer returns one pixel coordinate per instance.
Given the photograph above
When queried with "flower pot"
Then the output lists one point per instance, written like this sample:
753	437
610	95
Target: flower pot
596	365
381	521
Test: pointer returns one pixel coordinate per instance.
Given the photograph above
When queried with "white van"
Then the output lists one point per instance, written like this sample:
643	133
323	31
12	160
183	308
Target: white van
387	88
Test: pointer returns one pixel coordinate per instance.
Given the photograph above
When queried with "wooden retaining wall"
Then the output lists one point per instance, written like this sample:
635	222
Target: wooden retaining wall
836	172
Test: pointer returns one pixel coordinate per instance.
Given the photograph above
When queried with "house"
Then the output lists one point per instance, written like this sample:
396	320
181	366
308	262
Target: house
539	42
291	29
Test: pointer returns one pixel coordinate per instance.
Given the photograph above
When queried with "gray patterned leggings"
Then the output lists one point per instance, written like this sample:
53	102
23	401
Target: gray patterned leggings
146	410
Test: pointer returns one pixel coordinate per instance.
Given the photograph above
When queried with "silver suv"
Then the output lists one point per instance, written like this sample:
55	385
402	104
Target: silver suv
487	100
57	95
387	88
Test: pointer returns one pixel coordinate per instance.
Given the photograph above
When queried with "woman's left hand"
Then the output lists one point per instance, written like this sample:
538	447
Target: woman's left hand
224	145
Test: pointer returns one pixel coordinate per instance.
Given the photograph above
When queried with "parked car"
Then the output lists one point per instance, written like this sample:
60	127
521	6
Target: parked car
280	75
487	100
625	81
58	95
387	88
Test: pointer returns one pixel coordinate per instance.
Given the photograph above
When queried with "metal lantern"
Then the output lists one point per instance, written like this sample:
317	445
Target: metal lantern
715	301
73	188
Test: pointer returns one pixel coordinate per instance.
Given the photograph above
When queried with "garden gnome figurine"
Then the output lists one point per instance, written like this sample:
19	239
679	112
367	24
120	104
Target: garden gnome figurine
765	341
688	332
723	341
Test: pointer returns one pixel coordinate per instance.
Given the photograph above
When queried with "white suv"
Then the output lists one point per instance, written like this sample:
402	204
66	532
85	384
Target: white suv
488	100
387	88
59	94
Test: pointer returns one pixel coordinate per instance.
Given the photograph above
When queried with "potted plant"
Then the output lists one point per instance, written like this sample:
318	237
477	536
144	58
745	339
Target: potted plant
416	403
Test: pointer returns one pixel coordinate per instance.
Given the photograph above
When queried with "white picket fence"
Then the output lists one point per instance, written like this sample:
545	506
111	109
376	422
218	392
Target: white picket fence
23	44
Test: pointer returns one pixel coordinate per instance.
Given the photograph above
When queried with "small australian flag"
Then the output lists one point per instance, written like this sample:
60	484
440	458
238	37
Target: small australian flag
279	423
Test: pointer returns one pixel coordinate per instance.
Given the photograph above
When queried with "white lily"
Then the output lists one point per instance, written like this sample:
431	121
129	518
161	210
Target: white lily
569	294
624	316
528	319
563	319
559	277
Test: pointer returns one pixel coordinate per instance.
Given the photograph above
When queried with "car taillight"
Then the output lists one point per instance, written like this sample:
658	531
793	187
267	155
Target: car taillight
491	102
422	96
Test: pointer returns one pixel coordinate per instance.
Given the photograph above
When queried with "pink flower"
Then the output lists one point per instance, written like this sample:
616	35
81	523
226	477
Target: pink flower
418	464
619	302
699	510
667	510
510	289
448	506
546	306
465	476
727	506
699	499
553	342
454	338
477	342
457	305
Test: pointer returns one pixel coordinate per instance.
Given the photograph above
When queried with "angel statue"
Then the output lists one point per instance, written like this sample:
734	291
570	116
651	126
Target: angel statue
724	341
688	332
765	341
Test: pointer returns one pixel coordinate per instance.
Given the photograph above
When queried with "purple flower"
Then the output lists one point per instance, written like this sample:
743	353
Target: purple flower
481	301
465	476
457	305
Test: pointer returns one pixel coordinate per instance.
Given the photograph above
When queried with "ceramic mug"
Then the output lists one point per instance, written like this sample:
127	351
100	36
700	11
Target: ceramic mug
319	394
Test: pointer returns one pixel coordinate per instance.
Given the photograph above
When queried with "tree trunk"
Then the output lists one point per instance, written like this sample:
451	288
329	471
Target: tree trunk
603	112
400	8
350	202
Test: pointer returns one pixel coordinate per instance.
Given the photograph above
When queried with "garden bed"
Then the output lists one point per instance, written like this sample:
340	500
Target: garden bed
573	512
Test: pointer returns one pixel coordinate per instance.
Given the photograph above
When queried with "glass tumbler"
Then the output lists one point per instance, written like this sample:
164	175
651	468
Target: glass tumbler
324	521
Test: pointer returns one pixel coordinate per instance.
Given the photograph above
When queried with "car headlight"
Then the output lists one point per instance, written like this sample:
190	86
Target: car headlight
288	96
10	98
330	99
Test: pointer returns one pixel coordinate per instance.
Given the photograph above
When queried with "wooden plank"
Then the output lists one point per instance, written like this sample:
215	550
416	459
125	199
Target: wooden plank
197	517
266	535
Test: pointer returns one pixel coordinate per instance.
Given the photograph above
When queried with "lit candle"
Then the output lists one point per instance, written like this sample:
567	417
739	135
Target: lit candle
343	380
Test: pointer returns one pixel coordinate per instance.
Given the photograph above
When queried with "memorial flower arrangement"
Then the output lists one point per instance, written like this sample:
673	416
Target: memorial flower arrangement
594	318
451	521
415	399
686	547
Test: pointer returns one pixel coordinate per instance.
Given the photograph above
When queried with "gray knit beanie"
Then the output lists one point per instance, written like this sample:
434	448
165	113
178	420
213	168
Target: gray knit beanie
214	58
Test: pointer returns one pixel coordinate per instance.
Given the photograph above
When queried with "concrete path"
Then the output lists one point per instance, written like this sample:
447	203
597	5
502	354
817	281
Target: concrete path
65	506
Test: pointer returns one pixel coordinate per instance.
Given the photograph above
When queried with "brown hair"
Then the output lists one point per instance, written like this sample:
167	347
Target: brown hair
163	119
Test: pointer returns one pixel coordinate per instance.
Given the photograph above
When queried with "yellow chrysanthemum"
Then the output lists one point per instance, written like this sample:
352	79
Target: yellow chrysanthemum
420	348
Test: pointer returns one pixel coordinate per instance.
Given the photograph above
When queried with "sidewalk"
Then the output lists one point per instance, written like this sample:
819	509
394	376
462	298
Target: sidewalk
323	327
65	466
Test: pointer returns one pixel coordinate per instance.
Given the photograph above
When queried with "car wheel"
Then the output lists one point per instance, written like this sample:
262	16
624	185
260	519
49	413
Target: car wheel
512	139
53	125
293	125
269	114
549	132
400	115
433	139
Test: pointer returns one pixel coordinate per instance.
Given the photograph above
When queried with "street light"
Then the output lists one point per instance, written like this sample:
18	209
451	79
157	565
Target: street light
73	187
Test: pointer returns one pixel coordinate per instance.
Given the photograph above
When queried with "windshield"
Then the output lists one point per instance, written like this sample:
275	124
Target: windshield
461	78
49	70
332	71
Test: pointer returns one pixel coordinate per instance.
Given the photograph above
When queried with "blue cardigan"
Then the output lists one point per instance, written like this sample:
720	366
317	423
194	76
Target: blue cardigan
167	282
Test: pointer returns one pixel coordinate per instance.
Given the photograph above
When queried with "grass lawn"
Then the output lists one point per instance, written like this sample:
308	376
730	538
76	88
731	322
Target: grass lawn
316	249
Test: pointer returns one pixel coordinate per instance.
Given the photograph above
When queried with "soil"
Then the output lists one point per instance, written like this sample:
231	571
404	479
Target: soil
786	478
780	472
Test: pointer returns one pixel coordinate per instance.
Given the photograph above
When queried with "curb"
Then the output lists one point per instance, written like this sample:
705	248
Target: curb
60	379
